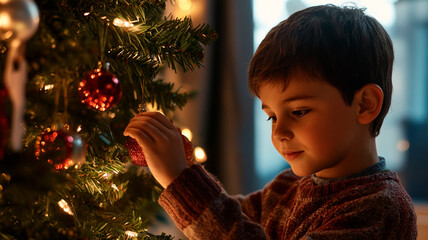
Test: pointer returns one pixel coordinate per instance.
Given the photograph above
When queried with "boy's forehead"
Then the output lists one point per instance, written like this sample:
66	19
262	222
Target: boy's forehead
295	89
289	89
298	81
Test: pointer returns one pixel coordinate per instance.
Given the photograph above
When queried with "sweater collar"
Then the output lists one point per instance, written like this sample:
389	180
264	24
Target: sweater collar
375	168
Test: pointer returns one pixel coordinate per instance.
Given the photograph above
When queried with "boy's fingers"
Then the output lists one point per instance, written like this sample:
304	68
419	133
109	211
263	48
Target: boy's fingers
140	136
143	120
160	117
149	128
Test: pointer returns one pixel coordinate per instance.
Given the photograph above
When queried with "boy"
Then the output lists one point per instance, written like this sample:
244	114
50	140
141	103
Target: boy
324	79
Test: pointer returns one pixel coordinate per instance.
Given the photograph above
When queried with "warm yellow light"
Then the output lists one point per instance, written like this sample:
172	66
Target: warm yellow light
117	22
5	20
114	187
187	133
200	155
64	205
122	23
6	25
131	234
185	4
49	87
153	108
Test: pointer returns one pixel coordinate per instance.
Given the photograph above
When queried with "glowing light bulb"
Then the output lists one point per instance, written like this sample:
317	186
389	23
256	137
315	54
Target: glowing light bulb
200	155
117	22
131	234
187	133
64	205
49	87
122	23
185	4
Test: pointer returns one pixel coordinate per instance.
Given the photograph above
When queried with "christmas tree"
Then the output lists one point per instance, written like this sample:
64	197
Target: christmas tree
65	167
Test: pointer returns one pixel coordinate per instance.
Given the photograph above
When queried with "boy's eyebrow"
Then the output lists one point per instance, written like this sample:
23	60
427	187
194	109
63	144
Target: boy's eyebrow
293	98
298	97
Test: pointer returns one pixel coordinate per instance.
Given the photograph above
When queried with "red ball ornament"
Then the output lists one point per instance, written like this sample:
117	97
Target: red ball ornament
100	89
137	155
60	148
135	152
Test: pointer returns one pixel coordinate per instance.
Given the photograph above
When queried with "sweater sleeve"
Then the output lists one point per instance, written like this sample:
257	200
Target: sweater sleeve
203	210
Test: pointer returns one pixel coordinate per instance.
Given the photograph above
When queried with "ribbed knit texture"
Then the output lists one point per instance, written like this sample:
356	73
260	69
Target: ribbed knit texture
291	207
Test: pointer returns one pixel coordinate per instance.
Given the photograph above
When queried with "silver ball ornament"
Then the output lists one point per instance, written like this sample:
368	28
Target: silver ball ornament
19	19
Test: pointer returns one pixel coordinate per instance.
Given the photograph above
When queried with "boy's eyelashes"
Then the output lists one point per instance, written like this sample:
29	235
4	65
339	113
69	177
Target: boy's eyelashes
301	113
273	119
295	113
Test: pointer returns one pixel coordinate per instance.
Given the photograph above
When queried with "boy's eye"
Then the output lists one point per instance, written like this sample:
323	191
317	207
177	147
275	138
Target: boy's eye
300	113
273	119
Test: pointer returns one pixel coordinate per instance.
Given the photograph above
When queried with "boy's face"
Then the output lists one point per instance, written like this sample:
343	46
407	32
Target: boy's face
312	127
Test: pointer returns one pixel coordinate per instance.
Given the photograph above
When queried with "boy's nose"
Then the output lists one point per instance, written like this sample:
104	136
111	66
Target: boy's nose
282	132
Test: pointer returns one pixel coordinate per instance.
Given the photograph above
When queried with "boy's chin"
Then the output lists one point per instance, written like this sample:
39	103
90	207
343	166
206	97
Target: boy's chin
301	172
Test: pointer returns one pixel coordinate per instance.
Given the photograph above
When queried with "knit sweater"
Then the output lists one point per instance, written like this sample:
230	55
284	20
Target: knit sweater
373	206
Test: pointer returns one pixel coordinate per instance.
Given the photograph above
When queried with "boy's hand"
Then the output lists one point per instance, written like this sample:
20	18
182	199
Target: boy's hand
162	144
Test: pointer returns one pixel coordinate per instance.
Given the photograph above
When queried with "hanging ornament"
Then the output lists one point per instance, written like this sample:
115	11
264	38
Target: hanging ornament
137	155
19	20
60	148
100	89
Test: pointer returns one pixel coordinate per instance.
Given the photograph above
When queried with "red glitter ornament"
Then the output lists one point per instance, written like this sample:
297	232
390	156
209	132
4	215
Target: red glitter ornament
100	89
137	155
60	148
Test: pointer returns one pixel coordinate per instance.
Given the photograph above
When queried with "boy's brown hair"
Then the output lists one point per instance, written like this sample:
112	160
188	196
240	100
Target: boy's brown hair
339	45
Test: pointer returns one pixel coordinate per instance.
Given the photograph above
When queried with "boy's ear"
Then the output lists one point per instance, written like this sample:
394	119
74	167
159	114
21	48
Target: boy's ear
369	99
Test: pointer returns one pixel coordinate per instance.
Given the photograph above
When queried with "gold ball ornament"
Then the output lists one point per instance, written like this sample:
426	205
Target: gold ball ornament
19	19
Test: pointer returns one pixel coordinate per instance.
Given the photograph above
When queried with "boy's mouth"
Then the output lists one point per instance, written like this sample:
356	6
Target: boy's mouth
289	155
